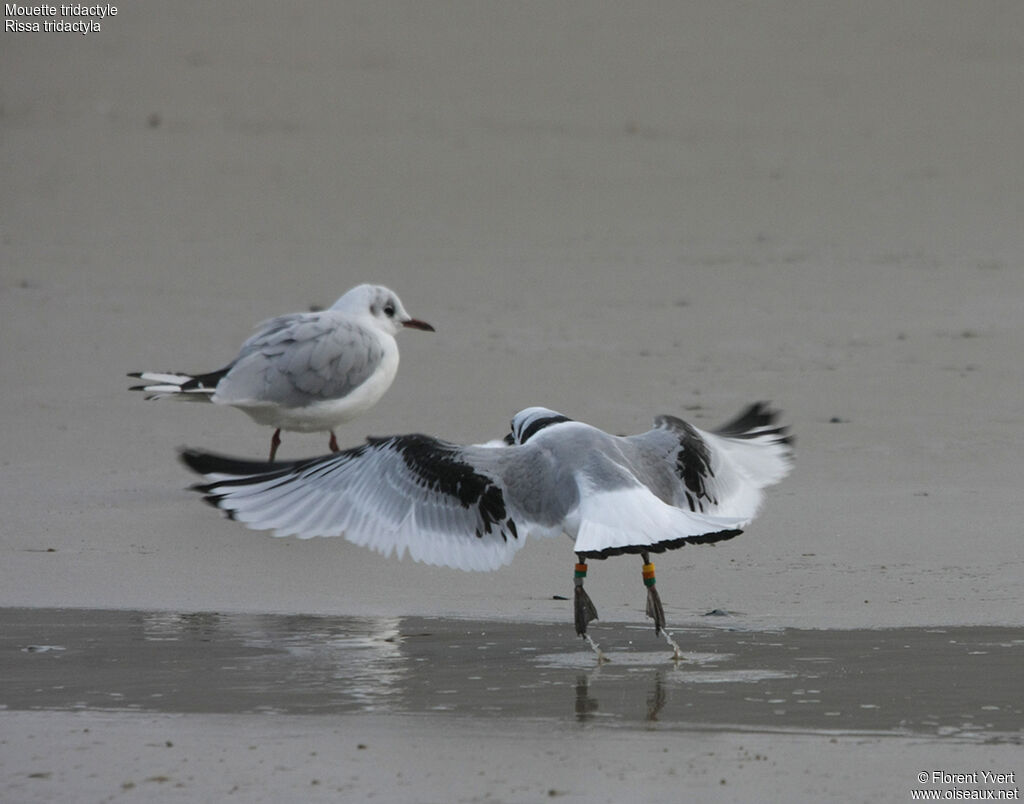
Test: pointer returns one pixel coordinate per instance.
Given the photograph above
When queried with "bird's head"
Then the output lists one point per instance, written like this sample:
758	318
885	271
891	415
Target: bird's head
530	421
382	306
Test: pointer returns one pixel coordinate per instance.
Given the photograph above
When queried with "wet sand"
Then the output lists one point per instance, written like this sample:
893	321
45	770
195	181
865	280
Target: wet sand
352	705
101	756
615	211
905	682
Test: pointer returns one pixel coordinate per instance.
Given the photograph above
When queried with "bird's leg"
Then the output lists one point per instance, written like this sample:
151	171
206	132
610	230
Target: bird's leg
333	444
275	442
584	608
654	608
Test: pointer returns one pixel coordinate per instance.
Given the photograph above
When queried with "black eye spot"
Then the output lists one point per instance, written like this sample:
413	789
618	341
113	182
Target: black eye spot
389	311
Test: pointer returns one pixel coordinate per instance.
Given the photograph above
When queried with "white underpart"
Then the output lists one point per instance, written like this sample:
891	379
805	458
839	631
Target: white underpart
633	517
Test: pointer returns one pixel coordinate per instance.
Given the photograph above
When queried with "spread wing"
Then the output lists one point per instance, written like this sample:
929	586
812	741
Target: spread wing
471	507
442	503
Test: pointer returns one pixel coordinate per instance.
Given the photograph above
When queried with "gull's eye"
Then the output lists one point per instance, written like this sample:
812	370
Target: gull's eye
389	311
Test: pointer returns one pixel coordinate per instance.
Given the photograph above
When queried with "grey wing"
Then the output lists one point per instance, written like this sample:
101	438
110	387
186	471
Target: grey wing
299	359
678	454
719	473
444	504
330	360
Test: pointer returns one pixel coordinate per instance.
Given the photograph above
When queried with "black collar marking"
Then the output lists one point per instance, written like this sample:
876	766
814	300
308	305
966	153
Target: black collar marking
539	424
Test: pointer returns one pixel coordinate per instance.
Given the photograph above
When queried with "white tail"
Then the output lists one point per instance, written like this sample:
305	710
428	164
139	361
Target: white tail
759	449
762	460
174	386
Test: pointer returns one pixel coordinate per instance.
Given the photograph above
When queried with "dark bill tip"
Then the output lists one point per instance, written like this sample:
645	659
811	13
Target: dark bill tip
415	323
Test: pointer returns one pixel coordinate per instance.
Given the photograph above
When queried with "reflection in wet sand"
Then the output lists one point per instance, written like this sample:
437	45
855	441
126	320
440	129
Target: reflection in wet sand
354	662
957	682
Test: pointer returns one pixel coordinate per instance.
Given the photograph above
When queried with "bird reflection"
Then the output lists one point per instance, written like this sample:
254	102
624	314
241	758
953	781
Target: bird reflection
291	663
656	696
587	704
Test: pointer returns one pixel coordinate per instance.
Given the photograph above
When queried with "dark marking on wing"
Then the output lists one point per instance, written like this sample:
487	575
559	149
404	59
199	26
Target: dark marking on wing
693	465
439	468
245	472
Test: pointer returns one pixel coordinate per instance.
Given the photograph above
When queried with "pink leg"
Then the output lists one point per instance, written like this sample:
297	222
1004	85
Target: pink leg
275	442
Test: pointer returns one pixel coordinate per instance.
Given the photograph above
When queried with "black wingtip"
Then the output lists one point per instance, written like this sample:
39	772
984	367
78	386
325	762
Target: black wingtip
752	421
197	461
208	497
759	414
204	463
136	374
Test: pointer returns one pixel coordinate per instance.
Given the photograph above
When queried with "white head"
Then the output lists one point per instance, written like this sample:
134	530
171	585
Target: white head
381	305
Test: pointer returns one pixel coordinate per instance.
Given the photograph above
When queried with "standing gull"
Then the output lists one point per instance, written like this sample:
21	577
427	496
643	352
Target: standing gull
472	507
307	372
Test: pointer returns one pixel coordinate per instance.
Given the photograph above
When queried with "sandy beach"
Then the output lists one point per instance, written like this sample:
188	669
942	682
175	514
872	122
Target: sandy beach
613	211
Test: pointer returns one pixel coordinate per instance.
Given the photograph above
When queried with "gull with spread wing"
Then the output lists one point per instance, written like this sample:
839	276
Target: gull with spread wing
472	507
